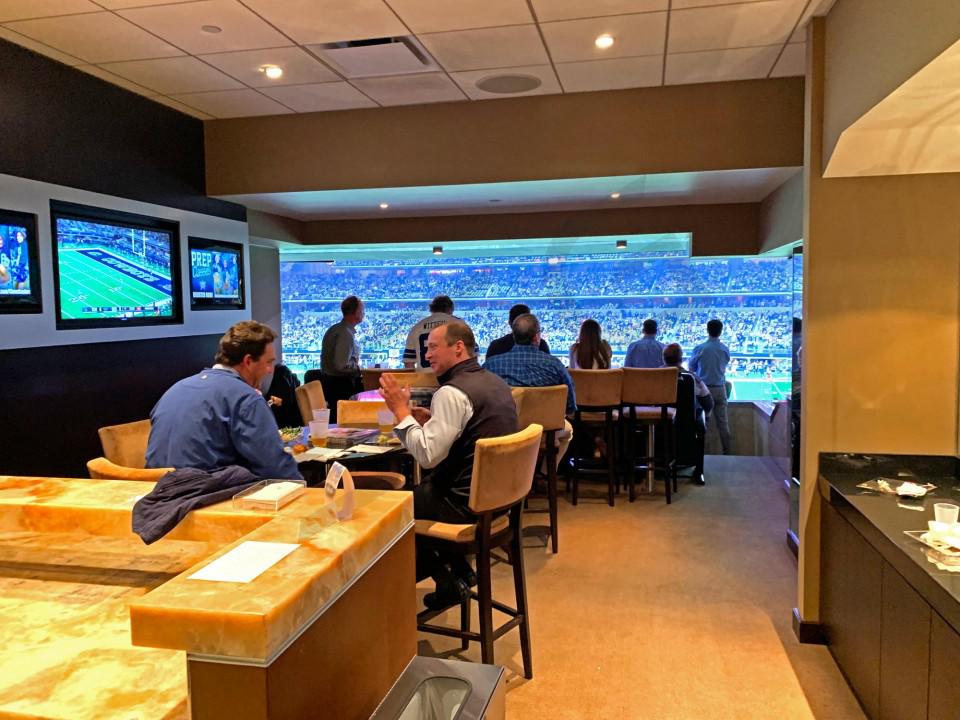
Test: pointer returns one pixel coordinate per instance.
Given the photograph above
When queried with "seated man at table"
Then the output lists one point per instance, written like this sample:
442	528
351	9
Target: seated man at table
503	344
526	365
218	416
673	357
470	404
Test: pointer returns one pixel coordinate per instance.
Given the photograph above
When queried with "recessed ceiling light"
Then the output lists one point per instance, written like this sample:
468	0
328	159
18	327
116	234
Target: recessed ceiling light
384	206
621	244
212	29
614	196
604	41
273	72
438	249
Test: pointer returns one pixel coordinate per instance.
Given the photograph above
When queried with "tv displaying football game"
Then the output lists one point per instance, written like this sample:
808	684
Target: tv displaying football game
114	269
19	263
216	275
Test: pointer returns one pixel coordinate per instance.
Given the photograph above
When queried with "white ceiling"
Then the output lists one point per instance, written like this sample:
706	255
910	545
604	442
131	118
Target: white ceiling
695	188
158	48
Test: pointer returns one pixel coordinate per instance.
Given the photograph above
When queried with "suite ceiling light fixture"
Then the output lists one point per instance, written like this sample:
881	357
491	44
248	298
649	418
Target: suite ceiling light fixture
384	206
274	72
615	196
604	42
621	244
212	29
438	249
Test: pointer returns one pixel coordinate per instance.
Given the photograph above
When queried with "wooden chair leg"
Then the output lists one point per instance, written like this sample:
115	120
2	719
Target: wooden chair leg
520	589
611	471
667	480
484	592
630	453
552	487
464	622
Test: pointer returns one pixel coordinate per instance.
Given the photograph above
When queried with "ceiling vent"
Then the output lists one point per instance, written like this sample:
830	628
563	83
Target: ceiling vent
377	56
508	84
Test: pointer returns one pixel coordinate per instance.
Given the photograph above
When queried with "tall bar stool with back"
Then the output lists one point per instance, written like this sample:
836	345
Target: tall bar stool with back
647	397
598	403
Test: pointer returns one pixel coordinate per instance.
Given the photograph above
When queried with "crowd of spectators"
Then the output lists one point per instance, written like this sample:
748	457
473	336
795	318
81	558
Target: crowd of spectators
147	248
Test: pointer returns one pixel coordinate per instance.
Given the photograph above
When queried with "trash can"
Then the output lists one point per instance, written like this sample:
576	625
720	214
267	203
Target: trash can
435	689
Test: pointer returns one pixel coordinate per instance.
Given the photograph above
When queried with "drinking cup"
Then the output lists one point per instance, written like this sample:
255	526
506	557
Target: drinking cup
385	422
322	415
318	433
946	513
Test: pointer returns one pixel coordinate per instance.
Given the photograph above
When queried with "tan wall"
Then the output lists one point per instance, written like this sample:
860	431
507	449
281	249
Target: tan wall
717	126
268	226
881	318
717	229
781	215
875	45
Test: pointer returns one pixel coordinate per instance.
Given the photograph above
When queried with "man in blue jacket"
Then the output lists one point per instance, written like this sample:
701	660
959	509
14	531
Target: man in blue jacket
218	416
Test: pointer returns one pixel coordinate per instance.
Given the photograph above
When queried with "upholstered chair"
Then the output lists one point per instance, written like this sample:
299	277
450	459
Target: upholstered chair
309	398
102	469
648	395
126	444
598	404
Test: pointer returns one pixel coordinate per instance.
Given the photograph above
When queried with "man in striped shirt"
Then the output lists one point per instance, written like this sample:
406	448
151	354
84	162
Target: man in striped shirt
415	352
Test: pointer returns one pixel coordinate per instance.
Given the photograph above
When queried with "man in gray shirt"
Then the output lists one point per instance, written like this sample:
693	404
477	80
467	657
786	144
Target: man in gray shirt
340	356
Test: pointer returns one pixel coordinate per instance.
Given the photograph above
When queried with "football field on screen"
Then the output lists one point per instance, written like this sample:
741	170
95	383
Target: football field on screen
85	282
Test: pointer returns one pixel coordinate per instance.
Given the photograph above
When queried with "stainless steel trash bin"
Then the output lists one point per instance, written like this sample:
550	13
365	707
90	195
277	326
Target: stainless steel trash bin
435	689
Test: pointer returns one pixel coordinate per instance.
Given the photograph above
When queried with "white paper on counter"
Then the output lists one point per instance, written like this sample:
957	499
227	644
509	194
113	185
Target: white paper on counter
373	449
322	453
245	562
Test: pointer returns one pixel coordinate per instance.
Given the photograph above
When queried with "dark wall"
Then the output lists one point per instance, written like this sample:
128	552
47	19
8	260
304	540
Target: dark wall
55	398
62	126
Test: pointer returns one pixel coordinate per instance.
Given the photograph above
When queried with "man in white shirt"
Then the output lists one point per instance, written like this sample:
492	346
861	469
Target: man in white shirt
415	351
470	404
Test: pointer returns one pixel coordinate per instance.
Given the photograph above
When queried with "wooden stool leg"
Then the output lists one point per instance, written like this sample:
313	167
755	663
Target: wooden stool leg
464	622
484	590
667	480
611	460
651	457
552	486
520	589
630	453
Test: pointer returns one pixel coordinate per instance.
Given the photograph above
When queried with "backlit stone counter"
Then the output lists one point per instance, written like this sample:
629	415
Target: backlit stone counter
96	624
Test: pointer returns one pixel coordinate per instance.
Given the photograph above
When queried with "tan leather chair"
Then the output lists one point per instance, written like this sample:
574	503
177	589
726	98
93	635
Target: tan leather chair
547	407
647	396
414	379
309	398
371	376
102	469
359	413
502	475
598	403
126	444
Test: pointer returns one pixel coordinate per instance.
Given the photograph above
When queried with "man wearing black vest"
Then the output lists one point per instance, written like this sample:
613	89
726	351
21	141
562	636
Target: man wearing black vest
470	404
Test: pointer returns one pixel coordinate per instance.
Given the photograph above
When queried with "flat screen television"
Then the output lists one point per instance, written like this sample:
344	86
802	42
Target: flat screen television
216	275
19	263
114	269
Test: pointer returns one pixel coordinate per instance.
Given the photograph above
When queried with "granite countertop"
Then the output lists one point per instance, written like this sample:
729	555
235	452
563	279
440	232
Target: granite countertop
101	621
892	515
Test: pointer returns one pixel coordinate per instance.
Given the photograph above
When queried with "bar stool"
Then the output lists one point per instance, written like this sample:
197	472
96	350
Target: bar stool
359	413
647	395
309	398
102	469
545	406
126	444
370	377
502	475
598	402
414	379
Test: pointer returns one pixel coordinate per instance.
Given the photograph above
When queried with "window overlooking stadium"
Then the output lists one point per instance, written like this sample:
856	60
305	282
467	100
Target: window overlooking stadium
564	281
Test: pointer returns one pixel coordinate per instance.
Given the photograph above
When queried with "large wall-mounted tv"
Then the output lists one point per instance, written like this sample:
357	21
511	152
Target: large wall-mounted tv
114	269
216	275
19	263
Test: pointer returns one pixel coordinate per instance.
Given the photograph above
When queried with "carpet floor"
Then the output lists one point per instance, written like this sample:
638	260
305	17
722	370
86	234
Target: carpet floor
663	612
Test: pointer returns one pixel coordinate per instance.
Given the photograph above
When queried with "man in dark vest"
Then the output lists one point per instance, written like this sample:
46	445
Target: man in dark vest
470	404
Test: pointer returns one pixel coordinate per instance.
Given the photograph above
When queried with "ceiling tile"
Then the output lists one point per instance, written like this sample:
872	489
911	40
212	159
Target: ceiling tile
792	62
299	66
38	47
325	96
25	9
611	74
97	37
424	16
411	89
573	40
684	4
720	65
548	10
122	4
488	48
181	25
186	109
733	26
116	80
800	33
467	81
233	103
174	75
325	21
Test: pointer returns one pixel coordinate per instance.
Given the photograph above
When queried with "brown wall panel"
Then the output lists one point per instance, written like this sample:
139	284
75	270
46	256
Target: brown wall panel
717	126
717	229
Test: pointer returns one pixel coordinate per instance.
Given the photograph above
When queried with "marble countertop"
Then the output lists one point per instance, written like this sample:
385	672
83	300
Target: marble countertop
102	621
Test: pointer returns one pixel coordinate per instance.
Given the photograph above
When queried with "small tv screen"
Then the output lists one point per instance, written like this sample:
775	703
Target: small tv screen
216	274
19	263
114	269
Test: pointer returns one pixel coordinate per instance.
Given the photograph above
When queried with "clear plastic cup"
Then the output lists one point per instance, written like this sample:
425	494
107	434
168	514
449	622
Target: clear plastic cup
385	423
322	415
946	513
318	433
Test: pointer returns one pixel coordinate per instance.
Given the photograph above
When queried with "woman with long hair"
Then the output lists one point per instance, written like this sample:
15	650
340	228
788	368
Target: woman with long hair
591	351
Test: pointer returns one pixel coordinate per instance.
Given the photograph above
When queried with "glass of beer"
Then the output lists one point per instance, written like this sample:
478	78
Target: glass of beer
385	423
318	433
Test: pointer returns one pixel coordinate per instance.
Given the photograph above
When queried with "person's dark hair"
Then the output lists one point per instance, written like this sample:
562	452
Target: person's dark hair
244	338
649	326
459	330
525	328
349	305
518	310
442	303
714	328
590	347
673	355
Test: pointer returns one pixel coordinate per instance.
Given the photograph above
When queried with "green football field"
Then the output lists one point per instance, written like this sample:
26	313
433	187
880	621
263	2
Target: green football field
84	282
745	389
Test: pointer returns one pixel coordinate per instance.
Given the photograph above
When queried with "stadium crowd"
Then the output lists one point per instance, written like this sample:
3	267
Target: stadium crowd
148	248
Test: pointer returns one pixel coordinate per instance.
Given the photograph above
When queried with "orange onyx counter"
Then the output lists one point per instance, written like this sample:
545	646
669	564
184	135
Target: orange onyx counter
97	624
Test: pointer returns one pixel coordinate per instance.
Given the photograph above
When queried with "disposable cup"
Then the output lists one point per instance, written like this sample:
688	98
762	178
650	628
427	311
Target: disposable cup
322	415
946	512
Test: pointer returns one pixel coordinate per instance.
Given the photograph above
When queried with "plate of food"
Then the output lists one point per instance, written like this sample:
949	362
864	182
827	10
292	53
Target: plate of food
289	434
